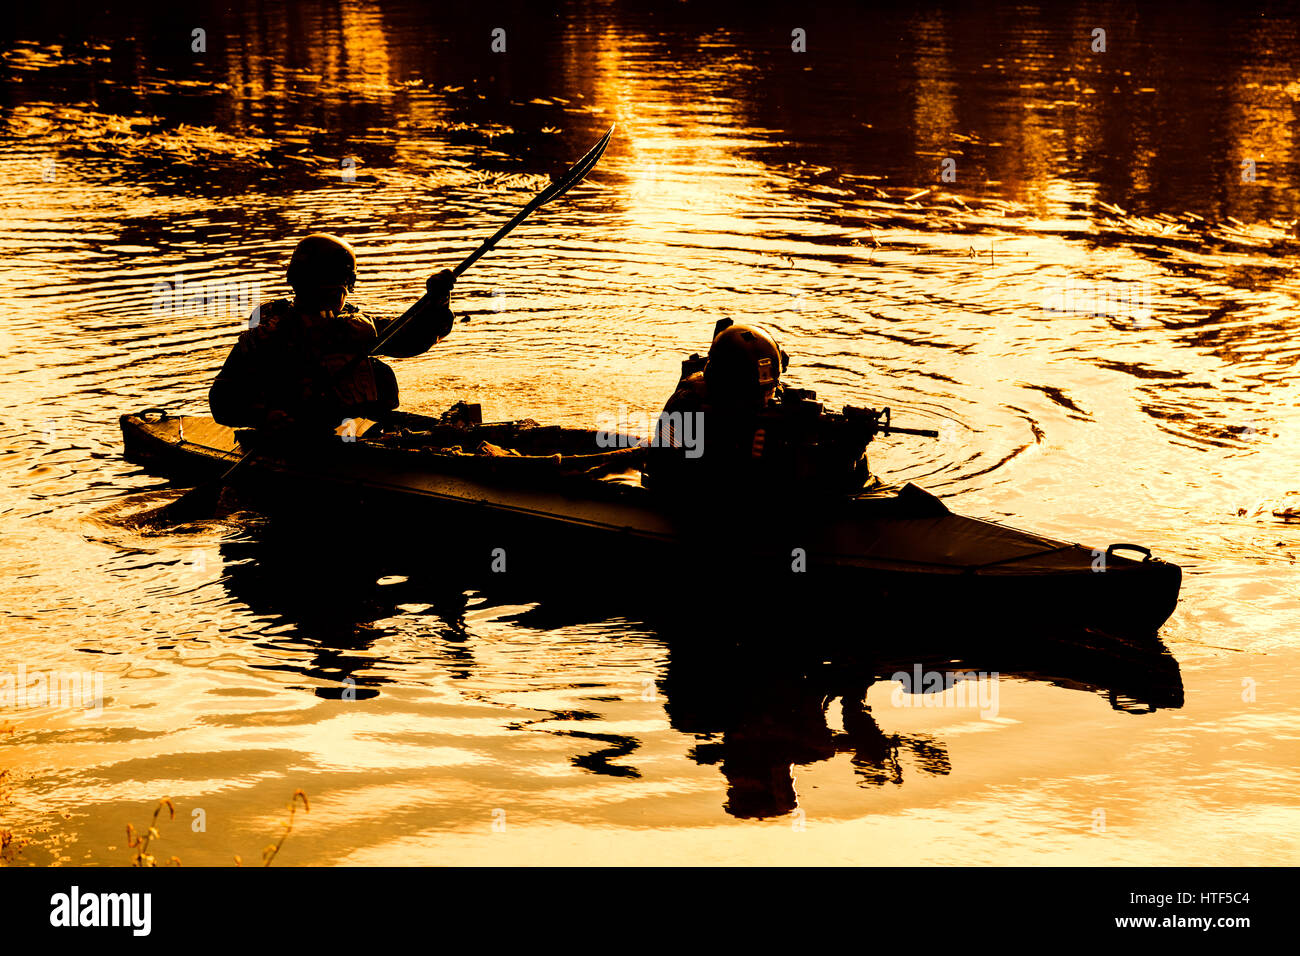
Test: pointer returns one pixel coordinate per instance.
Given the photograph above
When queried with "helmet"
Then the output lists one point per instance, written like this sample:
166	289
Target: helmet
323	260
744	366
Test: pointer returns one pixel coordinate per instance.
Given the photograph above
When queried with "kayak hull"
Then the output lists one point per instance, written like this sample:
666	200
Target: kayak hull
537	517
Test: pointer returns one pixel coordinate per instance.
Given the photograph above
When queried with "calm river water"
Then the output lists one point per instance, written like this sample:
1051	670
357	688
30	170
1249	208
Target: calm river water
1097	309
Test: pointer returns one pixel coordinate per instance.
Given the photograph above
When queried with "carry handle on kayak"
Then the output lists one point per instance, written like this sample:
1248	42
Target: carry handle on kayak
1145	552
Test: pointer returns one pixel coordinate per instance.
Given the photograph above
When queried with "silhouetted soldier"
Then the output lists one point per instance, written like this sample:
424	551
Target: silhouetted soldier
709	431
731	426
301	366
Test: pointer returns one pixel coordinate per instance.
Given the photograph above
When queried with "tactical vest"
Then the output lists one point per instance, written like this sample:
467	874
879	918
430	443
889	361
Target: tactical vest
317	357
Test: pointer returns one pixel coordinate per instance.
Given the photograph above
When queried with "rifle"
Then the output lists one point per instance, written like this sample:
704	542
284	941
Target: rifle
808	443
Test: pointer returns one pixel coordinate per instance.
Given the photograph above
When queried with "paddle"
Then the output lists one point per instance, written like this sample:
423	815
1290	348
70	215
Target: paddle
202	499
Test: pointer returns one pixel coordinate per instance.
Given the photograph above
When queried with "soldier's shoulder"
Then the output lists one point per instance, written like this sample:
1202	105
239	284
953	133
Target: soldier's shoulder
265	325
691	395
267	315
355	312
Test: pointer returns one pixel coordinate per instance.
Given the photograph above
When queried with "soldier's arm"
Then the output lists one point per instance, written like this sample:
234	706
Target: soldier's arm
235	397
430	324
666	463
246	395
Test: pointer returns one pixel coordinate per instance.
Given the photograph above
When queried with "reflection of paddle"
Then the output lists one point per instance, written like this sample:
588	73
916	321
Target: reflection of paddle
201	501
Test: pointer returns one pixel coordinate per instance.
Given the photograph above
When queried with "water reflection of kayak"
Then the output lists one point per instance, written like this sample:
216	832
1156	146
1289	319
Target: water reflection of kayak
763	694
757	718
530	500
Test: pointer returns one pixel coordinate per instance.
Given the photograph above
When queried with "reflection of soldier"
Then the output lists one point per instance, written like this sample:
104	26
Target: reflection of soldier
302	363
875	754
772	721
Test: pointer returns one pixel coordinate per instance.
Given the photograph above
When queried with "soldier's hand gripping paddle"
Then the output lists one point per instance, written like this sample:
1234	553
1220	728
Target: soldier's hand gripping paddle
201	501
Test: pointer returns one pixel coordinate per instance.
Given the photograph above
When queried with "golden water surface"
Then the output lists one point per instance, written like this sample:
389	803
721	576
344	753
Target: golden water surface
745	179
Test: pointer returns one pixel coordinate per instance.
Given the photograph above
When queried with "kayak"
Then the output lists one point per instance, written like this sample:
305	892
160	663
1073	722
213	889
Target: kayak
522	499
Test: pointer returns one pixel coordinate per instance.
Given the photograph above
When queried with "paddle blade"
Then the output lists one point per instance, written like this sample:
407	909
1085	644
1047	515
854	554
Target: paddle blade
197	504
576	173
